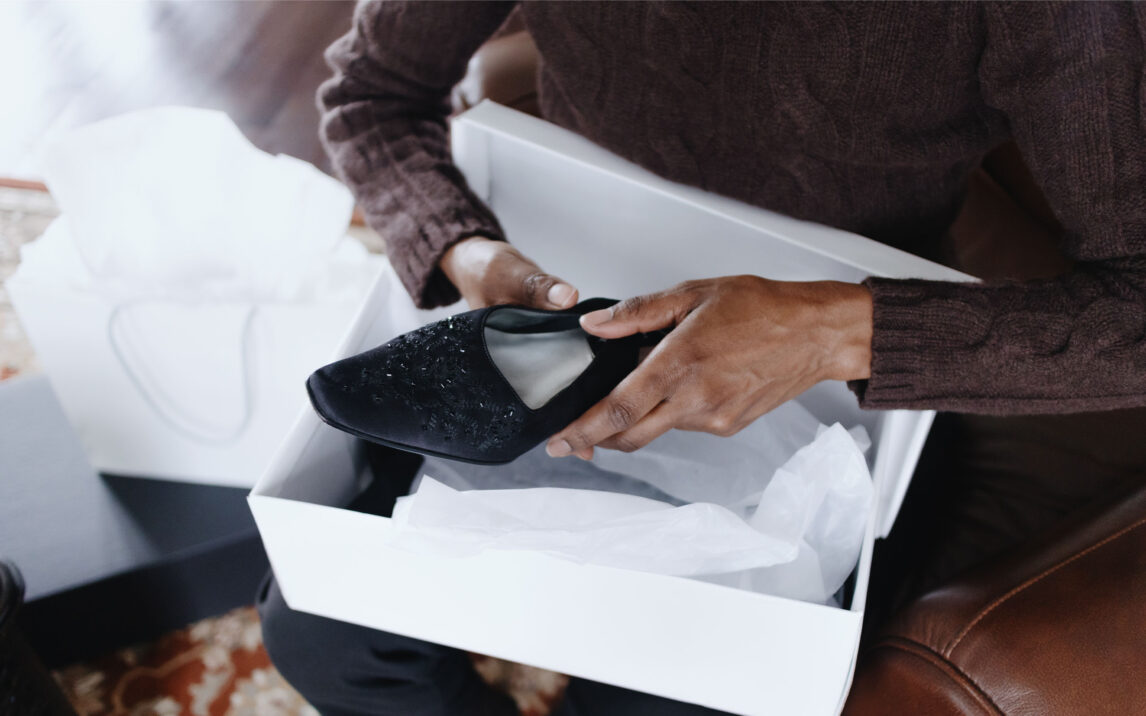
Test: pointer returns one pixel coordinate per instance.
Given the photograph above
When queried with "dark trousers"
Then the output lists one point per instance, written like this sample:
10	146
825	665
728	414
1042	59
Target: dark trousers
348	670
983	485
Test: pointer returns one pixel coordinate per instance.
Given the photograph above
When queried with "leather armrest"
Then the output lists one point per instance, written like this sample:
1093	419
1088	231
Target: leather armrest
1056	628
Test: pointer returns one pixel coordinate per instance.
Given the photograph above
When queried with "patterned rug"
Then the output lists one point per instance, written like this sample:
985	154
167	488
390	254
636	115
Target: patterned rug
218	666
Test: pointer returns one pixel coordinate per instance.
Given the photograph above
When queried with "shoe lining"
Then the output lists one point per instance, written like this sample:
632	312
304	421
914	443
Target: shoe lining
539	365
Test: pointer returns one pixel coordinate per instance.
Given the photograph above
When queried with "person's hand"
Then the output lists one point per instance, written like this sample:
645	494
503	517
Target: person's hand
488	272
739	346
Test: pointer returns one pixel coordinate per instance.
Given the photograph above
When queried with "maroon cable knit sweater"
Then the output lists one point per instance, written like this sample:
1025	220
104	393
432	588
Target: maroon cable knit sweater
867	117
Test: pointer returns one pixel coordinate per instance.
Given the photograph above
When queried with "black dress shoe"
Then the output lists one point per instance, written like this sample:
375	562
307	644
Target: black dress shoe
483	386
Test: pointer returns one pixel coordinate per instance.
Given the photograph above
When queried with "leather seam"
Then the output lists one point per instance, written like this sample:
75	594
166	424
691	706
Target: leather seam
942	664
947	650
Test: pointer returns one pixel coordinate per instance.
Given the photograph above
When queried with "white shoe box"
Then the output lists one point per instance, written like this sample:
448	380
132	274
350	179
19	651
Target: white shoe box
612	229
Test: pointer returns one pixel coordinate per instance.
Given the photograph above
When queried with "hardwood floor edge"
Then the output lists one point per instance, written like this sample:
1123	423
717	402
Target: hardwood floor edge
358	219
30	184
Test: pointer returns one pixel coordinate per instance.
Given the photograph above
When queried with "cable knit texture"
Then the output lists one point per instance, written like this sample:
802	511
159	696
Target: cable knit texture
868	117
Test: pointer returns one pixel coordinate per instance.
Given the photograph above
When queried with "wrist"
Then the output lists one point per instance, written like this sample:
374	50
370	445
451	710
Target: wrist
851	321
460	255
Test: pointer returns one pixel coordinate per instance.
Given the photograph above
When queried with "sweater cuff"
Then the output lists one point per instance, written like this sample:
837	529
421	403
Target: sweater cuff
417	255
915	331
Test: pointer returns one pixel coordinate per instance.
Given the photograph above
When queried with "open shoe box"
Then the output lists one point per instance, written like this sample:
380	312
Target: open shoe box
612	229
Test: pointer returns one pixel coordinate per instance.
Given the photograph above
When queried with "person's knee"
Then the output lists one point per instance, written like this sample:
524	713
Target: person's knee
301	649
343	668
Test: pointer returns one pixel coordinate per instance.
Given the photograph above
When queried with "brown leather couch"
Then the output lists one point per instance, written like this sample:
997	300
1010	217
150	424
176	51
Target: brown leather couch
1056	627
1055	623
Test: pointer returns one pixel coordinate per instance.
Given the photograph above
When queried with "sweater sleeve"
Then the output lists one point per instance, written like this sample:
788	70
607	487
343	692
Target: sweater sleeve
384	116
1070	81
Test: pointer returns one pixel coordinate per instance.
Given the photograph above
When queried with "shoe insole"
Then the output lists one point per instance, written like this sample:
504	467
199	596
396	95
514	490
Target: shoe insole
538	366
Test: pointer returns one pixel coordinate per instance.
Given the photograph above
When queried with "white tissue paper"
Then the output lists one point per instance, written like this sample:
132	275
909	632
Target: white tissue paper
781	508
187	289
175	202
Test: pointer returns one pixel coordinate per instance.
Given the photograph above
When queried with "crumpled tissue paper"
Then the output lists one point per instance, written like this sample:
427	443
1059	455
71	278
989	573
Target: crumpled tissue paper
781	508
175	202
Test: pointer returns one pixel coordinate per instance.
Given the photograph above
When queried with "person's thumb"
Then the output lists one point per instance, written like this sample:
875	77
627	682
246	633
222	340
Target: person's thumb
541	290
640	314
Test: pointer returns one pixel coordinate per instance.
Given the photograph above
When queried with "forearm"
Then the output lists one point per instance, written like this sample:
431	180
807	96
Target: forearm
1070	344
384	126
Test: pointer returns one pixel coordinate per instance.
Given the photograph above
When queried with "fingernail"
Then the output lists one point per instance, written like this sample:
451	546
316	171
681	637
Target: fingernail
559	294
596	318
558	448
